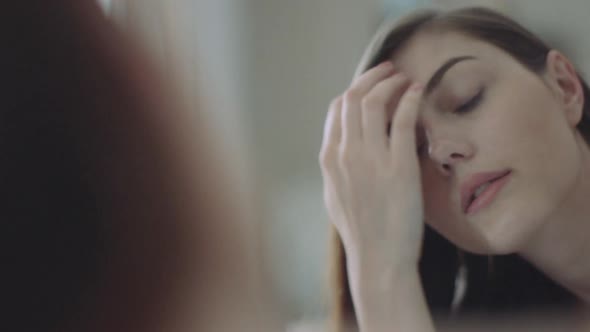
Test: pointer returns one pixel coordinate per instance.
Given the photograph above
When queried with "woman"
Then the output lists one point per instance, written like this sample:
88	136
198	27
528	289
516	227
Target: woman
469	122
114	213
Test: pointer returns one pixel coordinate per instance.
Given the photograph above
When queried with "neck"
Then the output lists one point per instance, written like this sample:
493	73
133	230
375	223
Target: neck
561	248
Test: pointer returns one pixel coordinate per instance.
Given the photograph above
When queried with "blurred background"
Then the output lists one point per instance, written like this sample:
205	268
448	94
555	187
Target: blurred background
268	69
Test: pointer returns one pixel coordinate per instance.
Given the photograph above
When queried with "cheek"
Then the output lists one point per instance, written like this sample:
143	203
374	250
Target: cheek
521	108
514	130
438	205
442	212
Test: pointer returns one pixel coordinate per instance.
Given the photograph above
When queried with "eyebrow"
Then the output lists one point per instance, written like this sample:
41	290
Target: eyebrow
440	72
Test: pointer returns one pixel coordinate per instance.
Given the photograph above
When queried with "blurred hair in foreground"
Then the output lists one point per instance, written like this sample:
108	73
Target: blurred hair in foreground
115	210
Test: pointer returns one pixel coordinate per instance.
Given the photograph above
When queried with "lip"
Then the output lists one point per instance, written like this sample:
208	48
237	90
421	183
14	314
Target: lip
473	182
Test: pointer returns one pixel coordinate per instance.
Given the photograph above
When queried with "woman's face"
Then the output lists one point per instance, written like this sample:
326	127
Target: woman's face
489	117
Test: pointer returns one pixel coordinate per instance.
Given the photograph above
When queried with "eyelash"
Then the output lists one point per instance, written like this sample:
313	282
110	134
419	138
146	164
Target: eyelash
470	104
464	108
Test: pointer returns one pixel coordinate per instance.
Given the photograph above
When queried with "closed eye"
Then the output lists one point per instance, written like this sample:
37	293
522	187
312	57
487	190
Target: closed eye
471	103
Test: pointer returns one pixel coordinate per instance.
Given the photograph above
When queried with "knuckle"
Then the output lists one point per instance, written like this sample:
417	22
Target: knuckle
327	158
352	95
372	102
335	103
347	158
410	99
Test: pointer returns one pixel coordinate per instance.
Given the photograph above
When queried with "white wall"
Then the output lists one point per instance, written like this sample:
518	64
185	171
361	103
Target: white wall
563	24
303	53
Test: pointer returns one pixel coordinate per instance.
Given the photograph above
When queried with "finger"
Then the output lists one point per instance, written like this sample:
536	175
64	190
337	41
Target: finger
333	124
403	134
364	82
376	105
332	134
351	117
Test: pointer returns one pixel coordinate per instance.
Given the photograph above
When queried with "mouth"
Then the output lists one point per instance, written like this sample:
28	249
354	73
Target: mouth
481	189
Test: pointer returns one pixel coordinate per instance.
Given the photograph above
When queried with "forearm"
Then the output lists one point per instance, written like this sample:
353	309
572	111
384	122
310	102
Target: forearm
390	300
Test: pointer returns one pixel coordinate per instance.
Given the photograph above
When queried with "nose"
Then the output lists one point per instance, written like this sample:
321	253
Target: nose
447	153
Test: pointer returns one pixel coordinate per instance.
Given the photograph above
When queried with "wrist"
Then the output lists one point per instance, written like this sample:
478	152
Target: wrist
379	270
386	278
391	301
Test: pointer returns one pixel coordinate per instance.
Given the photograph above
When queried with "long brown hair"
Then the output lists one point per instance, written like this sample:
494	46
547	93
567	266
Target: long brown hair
108	198
480	23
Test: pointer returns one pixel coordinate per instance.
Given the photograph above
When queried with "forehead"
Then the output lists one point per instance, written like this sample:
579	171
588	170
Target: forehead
426	51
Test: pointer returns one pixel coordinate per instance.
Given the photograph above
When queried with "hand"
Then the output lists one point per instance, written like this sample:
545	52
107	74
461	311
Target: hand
372	184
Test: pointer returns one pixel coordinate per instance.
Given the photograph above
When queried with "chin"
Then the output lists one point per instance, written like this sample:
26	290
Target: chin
503	235
488	246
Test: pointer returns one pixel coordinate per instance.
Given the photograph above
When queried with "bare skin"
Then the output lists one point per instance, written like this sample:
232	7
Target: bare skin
487	113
